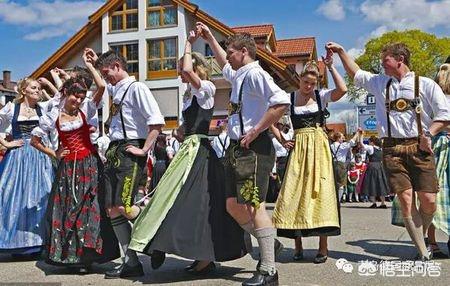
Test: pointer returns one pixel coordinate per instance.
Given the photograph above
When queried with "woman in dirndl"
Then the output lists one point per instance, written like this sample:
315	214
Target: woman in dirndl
79	232
307	204
187	215
163	154
375	182
26	175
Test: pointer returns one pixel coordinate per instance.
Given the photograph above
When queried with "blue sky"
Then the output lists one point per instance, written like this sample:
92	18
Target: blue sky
32	30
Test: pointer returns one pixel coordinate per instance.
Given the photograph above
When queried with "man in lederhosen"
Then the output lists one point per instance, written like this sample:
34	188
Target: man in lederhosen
134	123
256	103
410	110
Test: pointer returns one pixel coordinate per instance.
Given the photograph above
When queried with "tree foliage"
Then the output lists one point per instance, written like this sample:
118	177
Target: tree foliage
428	52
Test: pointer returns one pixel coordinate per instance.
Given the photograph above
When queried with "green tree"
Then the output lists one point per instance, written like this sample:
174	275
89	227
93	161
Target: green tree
428	52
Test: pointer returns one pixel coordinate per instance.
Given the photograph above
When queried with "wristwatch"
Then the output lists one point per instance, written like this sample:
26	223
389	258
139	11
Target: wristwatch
428	134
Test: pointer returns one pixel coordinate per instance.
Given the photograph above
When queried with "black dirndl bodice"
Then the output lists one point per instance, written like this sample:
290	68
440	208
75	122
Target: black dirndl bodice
197	119
377	156
307	120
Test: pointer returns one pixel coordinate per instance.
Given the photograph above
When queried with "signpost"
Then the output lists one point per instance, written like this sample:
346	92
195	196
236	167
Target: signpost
367	120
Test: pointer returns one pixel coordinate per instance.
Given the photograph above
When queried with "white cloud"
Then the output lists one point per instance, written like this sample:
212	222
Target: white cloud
48	19
407	14
332	9
355	52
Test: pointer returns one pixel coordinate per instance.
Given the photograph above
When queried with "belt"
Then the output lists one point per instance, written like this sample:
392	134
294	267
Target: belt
389	141
404	104
128	141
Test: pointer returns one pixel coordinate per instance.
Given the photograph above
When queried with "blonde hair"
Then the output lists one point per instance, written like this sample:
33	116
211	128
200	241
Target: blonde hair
21	86
311	68
443	78
201	66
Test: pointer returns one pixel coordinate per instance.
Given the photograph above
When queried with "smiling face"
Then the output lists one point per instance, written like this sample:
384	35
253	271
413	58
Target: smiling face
111	73
32	91
74	101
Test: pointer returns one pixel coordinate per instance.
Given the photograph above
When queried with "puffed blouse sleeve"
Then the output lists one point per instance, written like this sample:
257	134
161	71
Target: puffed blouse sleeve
6	115
47	123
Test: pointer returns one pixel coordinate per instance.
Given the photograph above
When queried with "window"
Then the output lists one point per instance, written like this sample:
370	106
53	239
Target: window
131	53
125	17
161	13
208	51
162	58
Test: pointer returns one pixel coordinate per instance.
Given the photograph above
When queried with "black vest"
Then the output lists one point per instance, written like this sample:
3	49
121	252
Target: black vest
197	119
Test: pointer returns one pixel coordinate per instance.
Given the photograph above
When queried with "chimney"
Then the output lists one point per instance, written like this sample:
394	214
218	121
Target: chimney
7	79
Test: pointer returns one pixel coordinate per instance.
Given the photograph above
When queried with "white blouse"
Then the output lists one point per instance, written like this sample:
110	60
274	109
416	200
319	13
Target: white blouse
205	95
325	97
47	122
7	114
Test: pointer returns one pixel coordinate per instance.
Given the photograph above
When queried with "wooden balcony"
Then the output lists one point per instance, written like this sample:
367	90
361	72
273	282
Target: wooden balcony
214	67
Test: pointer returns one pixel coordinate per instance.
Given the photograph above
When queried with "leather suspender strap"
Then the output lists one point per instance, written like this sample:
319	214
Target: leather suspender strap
388	87
319	104
416	95
240	106
120	110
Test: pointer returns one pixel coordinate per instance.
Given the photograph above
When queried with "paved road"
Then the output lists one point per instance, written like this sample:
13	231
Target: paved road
366	235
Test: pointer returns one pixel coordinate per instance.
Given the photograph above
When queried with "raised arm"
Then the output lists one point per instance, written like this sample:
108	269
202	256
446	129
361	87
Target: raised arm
349	64
45	82
188	69
219	53
341	87
89	58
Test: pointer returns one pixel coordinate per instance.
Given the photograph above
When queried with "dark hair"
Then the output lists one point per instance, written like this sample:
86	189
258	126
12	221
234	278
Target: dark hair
85	74
109	58
161	140
241	40
375	140
74	85
396	50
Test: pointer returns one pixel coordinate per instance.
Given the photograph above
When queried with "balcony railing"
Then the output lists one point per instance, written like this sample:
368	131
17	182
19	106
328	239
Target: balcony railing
214	67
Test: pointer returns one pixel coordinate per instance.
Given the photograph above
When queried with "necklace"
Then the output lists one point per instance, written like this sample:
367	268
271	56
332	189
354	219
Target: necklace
73	113
28	111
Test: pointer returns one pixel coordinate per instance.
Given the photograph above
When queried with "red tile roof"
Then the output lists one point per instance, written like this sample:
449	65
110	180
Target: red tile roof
295	47
255	30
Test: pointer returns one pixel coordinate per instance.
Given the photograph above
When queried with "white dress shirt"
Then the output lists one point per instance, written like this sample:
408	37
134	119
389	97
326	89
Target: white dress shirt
139	109
340	150
258	94
220	144
435	106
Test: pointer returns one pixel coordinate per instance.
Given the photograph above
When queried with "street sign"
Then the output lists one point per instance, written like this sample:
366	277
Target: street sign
370	99
370	123
366	110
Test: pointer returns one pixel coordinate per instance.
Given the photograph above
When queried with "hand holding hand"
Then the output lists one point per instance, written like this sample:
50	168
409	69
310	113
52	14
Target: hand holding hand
203	31
192	37
334	47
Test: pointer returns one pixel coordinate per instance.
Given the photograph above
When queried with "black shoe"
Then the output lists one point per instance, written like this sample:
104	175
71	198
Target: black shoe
448	247
278	247
205	270
125	271
84	270
262	279
382	207
298	256
158	258
192	265
373	206
320	258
